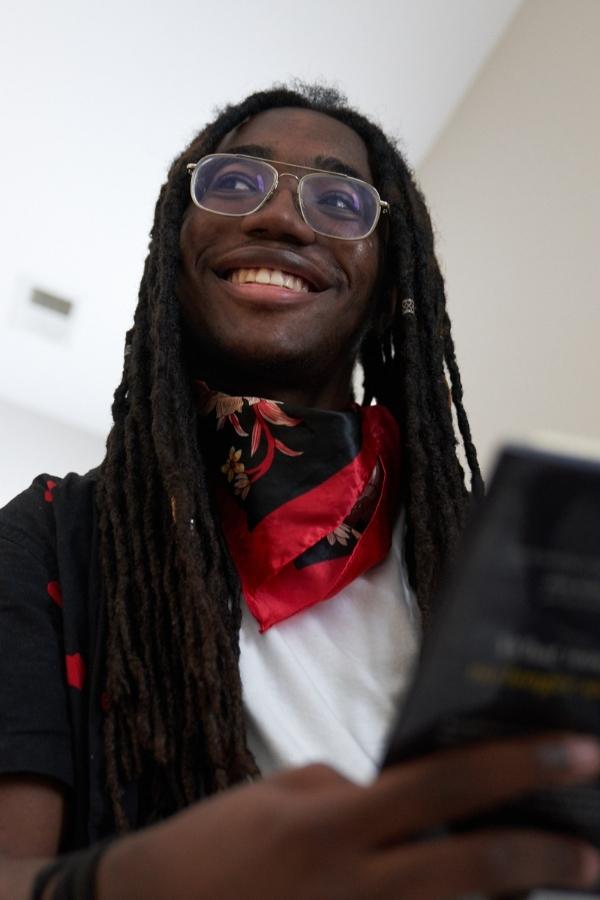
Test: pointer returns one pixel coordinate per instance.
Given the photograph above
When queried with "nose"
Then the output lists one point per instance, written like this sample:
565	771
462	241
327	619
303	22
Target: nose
280	216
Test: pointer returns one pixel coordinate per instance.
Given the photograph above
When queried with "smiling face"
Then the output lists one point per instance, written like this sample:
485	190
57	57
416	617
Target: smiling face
271	308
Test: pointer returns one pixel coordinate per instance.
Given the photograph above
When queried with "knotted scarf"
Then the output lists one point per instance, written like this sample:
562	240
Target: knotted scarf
307	497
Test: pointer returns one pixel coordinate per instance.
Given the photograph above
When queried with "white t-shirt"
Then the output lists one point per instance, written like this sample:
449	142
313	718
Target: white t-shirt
325	684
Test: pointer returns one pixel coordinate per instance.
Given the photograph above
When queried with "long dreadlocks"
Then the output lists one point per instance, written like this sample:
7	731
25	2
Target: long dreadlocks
175	719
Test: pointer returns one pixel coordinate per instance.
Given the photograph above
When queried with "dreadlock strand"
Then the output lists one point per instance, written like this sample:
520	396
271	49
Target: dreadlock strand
463	422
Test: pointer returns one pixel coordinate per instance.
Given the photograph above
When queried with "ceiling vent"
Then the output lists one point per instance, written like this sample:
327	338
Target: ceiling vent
45	313
52	302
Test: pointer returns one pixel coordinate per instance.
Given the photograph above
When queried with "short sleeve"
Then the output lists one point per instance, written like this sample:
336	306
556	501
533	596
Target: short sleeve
35	735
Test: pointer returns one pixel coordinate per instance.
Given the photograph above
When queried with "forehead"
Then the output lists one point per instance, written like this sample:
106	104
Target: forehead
303	137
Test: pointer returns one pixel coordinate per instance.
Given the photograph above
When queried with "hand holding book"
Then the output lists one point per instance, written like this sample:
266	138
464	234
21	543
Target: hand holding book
515	646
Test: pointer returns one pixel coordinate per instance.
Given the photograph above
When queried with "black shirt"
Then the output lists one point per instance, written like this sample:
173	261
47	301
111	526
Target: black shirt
52	696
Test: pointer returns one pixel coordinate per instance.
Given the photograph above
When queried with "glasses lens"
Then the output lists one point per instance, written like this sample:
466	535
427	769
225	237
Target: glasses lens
338	206
231	185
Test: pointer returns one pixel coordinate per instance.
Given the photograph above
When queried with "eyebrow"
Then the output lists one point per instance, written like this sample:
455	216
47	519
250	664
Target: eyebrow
331	163
336	165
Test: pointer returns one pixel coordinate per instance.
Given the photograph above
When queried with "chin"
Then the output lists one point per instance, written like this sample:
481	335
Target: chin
273	365
262	362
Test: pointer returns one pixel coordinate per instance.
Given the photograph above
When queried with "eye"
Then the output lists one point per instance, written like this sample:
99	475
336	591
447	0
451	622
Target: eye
335	199
237	182
339	200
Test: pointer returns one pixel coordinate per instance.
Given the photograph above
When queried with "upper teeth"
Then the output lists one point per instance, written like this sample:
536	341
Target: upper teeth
269	276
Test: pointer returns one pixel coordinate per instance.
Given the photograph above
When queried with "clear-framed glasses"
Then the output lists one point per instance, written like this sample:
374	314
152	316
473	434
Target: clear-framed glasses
334	205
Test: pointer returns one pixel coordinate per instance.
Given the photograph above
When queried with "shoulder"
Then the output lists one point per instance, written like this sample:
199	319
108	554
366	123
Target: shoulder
30	518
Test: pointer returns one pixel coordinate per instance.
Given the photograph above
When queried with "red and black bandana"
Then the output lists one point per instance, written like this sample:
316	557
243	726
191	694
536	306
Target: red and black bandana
307	497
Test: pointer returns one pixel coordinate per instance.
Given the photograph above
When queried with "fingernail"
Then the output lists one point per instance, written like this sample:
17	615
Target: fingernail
580	754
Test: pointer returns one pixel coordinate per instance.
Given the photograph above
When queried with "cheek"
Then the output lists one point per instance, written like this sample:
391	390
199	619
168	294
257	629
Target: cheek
365	267
200	229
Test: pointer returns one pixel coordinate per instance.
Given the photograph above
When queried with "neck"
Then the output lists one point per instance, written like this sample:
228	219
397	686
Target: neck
318	397
320	390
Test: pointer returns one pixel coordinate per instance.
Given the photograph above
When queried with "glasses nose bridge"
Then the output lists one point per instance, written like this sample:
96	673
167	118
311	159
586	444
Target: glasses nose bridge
275	189
280	176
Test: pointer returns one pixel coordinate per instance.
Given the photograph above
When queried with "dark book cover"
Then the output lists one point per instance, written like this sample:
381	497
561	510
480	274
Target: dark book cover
515	646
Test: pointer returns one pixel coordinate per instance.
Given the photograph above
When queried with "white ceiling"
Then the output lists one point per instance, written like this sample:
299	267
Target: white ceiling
97	98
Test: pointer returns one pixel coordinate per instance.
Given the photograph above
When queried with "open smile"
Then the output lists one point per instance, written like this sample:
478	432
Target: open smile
269	267
275	277
264	287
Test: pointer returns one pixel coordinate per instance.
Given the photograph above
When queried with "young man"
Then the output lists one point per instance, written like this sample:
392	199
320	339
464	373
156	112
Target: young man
237	588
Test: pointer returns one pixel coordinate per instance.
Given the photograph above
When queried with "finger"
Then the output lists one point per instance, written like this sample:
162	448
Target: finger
453	784
313	777
493	862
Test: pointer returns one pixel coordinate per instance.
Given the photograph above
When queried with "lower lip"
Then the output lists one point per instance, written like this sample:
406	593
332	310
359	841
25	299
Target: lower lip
269	294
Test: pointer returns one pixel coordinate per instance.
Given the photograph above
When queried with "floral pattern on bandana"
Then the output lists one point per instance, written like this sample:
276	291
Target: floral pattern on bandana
262	442
307	497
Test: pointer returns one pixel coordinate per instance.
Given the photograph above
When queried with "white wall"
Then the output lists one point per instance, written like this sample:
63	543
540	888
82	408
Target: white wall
32	444
514	186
